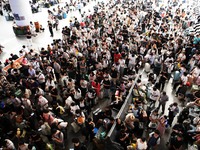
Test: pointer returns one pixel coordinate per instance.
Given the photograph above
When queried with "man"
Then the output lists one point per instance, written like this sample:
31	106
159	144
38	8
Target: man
50	28
114	74
31	72
154	140
177	142
58	139
154	96
173	111
41	79
78	145
29	38
57	69
106	85
162	101
14	56
162	80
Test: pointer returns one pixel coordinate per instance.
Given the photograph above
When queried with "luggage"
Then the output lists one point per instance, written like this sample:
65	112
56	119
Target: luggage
64	15
176	76
195	88
75	127
147	67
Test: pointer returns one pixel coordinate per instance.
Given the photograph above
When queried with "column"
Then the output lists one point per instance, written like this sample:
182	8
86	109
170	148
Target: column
21	10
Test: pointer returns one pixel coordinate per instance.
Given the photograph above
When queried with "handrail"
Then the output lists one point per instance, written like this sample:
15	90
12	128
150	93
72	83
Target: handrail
124	104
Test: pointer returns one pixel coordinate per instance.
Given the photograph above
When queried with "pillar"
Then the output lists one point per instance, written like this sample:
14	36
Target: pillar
21	10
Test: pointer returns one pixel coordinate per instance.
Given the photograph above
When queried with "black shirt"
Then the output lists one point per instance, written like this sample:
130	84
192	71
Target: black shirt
106	84
28	35
113	73
176	144
50	26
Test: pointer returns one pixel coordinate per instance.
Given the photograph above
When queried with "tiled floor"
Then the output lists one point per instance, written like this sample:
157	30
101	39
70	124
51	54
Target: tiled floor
13	44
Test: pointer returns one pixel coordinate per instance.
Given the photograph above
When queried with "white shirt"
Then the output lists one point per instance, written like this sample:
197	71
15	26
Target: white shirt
68	101
140	145
155	95
41	78
121	62
73	109
196	72
9	144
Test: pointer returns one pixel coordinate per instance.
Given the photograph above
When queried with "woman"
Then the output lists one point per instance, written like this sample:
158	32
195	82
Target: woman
58	139
162	122
96	85
49	82
153	119
141	144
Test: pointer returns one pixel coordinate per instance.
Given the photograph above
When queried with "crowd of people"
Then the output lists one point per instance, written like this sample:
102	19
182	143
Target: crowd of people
98	59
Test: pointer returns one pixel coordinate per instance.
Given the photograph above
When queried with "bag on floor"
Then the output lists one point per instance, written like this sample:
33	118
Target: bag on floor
64	15
75	127
147	67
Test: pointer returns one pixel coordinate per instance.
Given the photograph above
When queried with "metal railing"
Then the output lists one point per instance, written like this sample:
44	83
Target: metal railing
122	111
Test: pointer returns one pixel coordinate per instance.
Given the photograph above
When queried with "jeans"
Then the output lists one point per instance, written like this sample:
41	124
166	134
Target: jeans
163	107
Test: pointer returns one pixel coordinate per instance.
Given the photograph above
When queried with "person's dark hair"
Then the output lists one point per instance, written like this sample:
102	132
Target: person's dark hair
89	119
157	132
72	104
143	139
75	140
78	111
154	88
53	131
185	73
175	104
112	118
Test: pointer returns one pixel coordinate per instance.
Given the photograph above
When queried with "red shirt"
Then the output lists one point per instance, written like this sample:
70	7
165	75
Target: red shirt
117	57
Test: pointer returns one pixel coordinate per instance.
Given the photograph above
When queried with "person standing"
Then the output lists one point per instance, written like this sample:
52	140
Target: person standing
162	124
154	96
162	101
29	38
106	87
141	144
154	140
177	142
50	28
173	111
162	80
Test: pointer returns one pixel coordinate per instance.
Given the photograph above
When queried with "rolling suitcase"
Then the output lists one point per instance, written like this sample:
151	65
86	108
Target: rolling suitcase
176	76
147	67
75	127
64	15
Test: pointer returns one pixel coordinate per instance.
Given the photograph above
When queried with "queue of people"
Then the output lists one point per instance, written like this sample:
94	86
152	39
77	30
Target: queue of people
98	59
